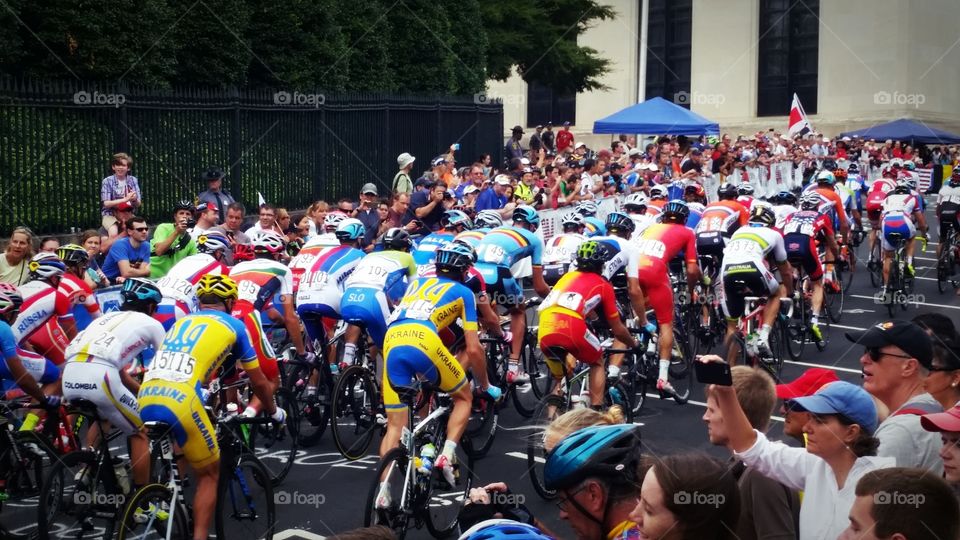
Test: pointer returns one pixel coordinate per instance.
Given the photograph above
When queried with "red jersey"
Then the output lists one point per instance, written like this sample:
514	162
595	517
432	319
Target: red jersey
831	196
41	302
808	223
79	293
655	208
564	139
723	216
661	242
579	293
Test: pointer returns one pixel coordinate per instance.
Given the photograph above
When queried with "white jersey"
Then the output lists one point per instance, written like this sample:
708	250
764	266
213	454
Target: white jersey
380	270
562	248
628	257
178	291
323	240
260	279
948	194
751	244
900	203
642	221
194	267
782	211
116	339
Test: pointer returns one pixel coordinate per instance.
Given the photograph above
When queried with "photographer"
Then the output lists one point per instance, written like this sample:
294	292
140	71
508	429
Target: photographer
366	212
171	241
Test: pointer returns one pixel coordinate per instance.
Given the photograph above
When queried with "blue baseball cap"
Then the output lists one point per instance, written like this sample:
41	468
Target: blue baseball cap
842	398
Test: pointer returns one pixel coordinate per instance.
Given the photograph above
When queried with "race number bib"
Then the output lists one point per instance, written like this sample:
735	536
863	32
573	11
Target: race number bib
106	346
313	280
652	248
565	299
493	254
171	366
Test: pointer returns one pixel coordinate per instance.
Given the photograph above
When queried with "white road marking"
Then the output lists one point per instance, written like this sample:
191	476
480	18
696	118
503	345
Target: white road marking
832	325
835	368
911	303
523	456
297	533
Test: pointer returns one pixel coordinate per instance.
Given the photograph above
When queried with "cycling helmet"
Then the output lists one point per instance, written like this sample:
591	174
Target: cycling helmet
184	204
10	299
454	218
910	181
397	239
955	175
223	287
473	252
888	172
617	221
454	258
607	451
826	178
829	164
786	197
896	163
350	230
139	292
489	219
853	169
810	200
910	165
72	254
46	266
695	190
763	214
332	220
727	191
745	189
839	173
243	252
635	202
571	219
675	212
212	242
593	254
503	529
658	193
587	208
526	214
267	242
902	187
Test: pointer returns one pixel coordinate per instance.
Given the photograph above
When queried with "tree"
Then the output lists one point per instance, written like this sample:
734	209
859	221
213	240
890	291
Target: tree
216	51
469	47
540	39
421	47
368	31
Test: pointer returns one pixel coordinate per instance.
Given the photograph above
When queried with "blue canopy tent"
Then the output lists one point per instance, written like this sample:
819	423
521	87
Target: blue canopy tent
905	130
658	116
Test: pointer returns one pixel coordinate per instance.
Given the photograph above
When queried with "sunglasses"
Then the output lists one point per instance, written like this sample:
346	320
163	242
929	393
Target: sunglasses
876	354
141	229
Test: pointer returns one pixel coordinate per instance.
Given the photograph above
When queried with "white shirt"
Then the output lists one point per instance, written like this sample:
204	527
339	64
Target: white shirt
116	338
824	513
642	221
949	194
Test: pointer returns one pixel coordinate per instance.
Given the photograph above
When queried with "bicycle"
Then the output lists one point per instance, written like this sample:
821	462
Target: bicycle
357	407
745	337
418	498
948	260
899	285
245	505
312	410
796	324
834	288
875	263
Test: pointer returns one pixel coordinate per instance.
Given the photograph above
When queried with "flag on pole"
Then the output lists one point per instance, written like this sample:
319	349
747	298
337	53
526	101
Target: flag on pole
260	200
799	125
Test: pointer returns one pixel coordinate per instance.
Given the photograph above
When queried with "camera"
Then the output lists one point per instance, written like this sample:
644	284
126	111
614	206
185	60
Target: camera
191	223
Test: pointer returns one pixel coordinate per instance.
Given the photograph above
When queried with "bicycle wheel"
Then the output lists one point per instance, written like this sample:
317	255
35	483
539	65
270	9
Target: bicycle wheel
356	404
526	397
895	289
443	501
151	512
482	426
876	269
23	478
943	267
774	365
278	449
618	394
681	365
796	331
393	467
79	498
550	408
833	298
313	411
245	505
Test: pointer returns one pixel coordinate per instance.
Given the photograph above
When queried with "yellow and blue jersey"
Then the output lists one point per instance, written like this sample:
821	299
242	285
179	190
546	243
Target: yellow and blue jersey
507	245
436	302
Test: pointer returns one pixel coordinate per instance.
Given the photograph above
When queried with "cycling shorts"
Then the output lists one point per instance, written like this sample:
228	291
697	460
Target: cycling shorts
170	310
42	370
367	307
502	287
563	329
325	301
554	271
655	283
896	224
802	251
948	218
100	384
320	319
181	407
50	341
741	280
266	356
710	252
412	349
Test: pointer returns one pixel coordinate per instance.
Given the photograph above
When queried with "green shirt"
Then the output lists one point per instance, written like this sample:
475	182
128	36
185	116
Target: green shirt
179	250
402	183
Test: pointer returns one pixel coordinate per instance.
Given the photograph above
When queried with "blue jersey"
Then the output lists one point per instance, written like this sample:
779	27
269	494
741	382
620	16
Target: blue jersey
696	212
8	343
437	302
675	190
507	245
473	237
594	226
424	252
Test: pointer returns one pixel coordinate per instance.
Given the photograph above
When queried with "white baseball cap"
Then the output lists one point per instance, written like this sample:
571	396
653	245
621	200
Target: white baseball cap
578	145
503	180
470	189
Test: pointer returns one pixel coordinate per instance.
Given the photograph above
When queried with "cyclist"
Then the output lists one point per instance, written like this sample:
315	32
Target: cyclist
658	199
502	248
745	195
592	225
879	190
190	356
948	202
321	291
901	215
97	362
328	237
258	281
719	221
581	294
696	199
635	205
562	248
804	232
179	297
596	474
503	529
75	258
847	196
745	273
413	347
784	204
659	245
832	202
453	223
487	219
25	369
45	307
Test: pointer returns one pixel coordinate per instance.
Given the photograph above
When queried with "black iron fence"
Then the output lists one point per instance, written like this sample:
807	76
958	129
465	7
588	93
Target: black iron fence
56	139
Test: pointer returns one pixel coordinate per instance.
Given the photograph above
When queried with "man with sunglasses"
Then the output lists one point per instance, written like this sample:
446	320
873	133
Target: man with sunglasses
898	357
129	257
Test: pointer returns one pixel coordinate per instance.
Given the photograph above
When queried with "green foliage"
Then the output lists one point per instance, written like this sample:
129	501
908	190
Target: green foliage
368	30
424	51
216	47
469	46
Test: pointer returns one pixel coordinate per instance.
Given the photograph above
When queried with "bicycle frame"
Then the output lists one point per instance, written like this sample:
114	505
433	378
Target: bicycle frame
408	439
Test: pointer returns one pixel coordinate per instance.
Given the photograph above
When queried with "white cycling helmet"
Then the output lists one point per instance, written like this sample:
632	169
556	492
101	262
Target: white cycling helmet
658	192
635	201
333	220
488	219
267	242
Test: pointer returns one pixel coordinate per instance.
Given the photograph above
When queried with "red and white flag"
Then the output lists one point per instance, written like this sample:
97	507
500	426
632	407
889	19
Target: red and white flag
799	125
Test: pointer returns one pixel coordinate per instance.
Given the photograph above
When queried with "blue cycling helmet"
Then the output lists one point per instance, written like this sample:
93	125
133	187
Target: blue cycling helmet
454	218
526	214
138	293
46	266
454	258
617	221
503	529
212	242
675	212
350	230
827	178
611	452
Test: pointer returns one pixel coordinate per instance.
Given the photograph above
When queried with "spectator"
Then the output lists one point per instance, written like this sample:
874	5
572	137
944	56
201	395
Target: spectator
427	206
383	214
944	378
317	212
897	358
569	190
232	226
345	205
95	278
267	221
396	217
536	142
283	224
367	213
693	162
903	503
207	216
768	509
49	244
16	257
547	137
215	194
124	211
667	508
485	159
807	384
130	257
947	424
171	242
401	180
469	199
496	198
118	188
937	325
564	139
513	149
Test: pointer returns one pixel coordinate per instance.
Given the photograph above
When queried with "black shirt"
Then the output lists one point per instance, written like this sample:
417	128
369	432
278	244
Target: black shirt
547	138
371	222
420	199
